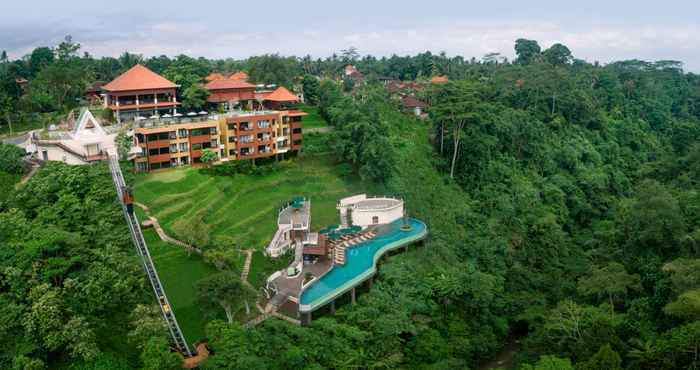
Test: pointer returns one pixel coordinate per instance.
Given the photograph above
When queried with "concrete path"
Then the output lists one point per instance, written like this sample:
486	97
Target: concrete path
318	130
161	233
28	176
246	265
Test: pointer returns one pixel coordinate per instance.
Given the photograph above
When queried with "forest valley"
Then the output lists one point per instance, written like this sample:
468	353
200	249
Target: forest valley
562	199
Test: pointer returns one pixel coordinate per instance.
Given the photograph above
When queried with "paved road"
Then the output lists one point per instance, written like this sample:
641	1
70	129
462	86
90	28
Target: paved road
16	140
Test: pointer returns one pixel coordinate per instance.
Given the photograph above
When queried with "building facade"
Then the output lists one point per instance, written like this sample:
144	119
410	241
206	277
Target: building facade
140	92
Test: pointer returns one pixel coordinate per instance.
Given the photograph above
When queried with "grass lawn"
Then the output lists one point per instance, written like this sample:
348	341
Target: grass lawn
8	182
314	119
178	273
244	208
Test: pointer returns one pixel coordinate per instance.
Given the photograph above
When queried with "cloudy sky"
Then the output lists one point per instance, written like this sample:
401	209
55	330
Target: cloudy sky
594	30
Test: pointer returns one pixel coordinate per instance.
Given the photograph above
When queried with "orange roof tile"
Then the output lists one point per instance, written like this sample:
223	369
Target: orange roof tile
215	76
139	78
281	94
228	84
239	76
439	79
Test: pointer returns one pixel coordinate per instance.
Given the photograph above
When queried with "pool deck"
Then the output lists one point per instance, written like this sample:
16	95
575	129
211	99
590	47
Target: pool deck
418	234
291	287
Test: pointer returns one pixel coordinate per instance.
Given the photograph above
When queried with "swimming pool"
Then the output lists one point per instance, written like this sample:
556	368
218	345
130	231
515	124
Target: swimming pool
361	263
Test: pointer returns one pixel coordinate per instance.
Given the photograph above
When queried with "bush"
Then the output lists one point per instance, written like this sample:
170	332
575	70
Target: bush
11	159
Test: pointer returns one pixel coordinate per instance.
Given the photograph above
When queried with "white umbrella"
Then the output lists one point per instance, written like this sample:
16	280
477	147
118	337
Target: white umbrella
153	116
166	116
191	114
203	112
177	115
140	118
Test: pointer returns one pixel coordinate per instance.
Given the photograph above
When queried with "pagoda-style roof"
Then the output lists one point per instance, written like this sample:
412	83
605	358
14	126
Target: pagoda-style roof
215	76
239	76
138	78
228	84
281	94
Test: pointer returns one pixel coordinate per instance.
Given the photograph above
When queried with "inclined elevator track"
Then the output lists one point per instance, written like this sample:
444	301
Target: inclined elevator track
142	249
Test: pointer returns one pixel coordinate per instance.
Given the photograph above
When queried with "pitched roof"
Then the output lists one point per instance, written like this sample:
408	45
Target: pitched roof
439	79
239	76
215	76
139	78
281	94
228	84
411	102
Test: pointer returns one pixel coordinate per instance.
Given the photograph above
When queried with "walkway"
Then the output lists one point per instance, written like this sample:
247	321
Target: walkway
161	233
27	177
246	266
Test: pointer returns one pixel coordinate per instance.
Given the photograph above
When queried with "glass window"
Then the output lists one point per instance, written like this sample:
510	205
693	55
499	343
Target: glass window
173	148
197	146
153	151
297	130
184	147
164	150
231	139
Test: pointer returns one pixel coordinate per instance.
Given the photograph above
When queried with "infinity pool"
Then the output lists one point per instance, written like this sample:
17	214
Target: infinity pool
360	263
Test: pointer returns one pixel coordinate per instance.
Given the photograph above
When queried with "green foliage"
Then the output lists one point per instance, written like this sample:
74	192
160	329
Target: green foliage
194	98
550	363
11	159
224	291
209	157
527	51
311	86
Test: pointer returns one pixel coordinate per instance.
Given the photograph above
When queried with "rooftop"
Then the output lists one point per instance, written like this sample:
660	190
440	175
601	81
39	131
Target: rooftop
138	78
411	102
228	84
439	79
281	94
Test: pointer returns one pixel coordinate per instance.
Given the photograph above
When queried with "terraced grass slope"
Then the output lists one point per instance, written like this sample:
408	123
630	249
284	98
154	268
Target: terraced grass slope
242	207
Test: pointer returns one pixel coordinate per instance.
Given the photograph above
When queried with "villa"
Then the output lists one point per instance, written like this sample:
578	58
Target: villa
336	259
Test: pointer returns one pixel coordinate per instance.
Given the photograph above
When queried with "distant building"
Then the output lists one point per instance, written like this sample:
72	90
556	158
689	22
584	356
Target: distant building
230	94
439	79
140	92
93	94
87	142
413	105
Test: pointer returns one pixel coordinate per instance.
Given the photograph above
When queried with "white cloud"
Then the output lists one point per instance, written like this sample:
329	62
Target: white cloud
601	42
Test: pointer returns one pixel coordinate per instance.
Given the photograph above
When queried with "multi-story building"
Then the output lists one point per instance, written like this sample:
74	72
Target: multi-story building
140	92
167	139
171	145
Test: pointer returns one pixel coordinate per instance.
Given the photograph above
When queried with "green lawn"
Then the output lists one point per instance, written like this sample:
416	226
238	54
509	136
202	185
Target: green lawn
178	273
244	208
314	119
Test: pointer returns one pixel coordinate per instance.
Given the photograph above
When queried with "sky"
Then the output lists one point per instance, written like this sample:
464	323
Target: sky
594	30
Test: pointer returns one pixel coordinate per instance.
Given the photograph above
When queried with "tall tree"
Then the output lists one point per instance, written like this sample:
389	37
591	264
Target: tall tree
527	51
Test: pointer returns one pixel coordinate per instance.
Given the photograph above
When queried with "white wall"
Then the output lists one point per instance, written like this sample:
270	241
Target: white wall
57	154
364	217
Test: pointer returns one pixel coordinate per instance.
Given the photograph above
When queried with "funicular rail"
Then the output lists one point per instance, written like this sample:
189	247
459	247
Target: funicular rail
142	250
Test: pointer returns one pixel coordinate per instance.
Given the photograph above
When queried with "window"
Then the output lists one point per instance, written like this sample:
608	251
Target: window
164	150
152	137
222	153
297	130
247	139
185	160
231	126
184	147
153	151
204	131
375	219
182	132
173	148
297	142
232	152
231	139
172	135
285	131
197	146
263	124
214	143
206	145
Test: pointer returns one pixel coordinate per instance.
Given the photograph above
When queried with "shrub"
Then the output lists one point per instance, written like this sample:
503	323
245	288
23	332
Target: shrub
11	159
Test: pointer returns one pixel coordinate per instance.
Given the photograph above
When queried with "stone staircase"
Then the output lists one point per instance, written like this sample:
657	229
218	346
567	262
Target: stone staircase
246	265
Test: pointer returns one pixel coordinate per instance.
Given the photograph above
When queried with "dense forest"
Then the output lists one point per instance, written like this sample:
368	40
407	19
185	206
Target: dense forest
561	196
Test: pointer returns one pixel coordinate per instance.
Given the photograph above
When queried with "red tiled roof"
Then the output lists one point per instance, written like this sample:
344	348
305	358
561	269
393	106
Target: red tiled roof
239	76
139	78
215	76
411	102
439	79
281	94
228	84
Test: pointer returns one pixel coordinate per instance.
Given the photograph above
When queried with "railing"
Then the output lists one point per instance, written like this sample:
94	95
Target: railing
142	250
275	247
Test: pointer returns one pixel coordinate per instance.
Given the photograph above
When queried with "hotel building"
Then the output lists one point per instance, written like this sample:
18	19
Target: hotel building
168	139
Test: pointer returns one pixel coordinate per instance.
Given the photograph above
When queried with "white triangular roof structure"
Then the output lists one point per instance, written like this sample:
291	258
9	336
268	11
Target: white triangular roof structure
88	128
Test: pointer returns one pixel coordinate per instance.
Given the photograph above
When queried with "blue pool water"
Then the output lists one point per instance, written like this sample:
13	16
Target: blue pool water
359	261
